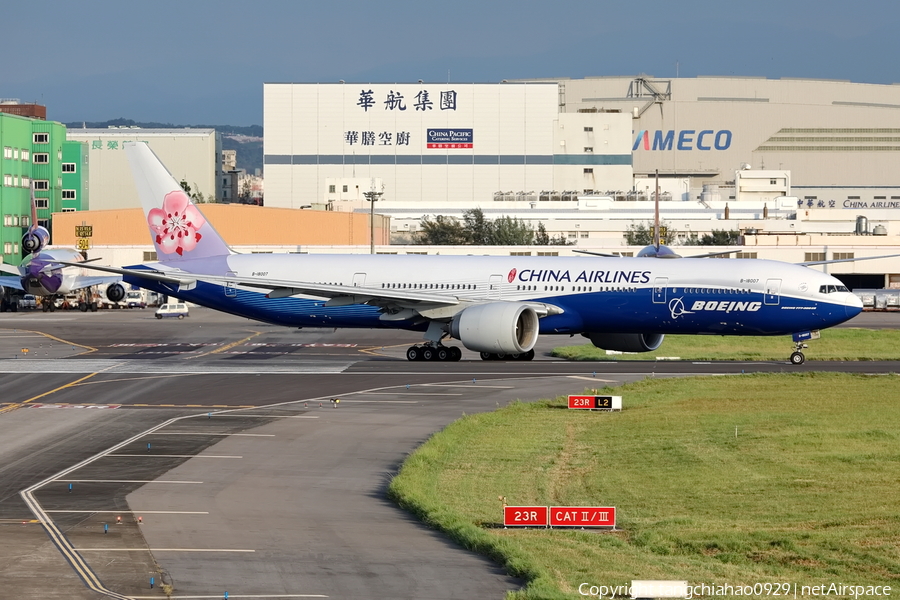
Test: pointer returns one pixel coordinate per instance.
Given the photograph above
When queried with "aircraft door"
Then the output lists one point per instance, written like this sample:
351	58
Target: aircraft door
359	279
659	290
494	287
230	287
773	291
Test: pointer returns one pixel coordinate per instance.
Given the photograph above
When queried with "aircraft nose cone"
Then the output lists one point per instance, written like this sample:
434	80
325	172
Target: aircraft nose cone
854	306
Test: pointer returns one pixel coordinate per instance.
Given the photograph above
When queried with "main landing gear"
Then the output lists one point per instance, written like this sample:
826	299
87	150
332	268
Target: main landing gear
492	356
434	352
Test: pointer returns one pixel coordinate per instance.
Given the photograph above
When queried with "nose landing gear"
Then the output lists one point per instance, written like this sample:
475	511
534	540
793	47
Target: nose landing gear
797	357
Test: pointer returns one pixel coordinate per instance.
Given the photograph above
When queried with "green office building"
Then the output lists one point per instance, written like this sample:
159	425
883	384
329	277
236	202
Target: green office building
36	151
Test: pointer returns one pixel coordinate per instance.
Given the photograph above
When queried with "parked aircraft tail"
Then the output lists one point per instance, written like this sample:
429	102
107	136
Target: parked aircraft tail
178	228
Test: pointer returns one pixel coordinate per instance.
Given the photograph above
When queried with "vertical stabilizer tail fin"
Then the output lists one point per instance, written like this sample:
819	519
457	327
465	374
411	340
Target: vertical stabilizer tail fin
34	219
178	228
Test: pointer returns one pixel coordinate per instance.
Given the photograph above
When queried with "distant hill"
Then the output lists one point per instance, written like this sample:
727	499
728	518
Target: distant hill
246	141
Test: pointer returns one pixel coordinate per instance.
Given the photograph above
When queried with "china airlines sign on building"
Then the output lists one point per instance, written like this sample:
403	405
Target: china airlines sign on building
686	139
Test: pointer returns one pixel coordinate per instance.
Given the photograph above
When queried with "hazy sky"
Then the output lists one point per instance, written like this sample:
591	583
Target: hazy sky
197	61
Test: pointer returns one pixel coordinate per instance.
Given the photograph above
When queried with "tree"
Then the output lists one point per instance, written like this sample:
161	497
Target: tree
479	229
717	238
512	232
197	197
641	234
442	231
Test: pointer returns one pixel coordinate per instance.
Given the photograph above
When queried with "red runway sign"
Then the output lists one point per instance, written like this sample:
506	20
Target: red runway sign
525	516
596	402
582	516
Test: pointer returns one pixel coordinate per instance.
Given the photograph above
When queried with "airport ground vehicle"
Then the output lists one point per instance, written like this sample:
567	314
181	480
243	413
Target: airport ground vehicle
135	300
27	302
179	310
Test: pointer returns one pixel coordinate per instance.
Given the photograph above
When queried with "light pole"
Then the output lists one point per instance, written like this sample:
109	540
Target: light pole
372	197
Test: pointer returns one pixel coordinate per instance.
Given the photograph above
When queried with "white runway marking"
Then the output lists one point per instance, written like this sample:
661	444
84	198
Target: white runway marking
141	367
468	385
143	512
150	454
164	550
592	379
122	481
270	416
232	596
409	392
209	433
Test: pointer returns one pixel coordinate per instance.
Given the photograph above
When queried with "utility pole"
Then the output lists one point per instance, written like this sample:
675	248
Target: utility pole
372	196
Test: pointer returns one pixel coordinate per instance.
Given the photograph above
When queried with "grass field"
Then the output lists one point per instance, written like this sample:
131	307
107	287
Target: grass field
743	479
835	344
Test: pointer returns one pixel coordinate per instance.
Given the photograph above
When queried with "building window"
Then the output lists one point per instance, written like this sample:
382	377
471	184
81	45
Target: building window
743	255
25	220
26	155
7	221
15	153
589	171
7	152
345	188
148	256
880	197
588	129
331	189
548	253
45	223
7	180
520	253
68	167
773	182
813	256
41	184
7	248
68	194
68	210
583	234
852	197
588	149
41	158
843	255
41	203
26	181
42	138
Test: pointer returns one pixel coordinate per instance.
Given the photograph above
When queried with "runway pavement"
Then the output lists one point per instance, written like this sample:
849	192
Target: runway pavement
210	430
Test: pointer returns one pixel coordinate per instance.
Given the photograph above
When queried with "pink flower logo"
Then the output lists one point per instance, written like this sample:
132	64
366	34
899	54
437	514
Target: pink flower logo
176	225
511	276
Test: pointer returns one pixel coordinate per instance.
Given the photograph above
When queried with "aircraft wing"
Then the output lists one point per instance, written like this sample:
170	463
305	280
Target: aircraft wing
11	269
83	282
12	282
425	302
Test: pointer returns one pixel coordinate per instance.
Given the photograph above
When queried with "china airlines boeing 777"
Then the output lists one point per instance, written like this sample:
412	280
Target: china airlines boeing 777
493	305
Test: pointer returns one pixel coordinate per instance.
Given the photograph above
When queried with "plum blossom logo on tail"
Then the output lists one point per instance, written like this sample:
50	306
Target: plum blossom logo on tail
177	224
512	276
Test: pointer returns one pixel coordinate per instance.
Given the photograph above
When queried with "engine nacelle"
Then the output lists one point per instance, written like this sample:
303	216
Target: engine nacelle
497	327
115	292
626	342
35	239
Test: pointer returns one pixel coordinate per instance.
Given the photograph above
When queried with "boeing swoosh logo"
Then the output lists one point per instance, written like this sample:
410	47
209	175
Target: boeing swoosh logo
676	308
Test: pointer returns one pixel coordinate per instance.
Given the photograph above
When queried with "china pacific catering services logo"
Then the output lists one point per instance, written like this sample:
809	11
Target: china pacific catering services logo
449	138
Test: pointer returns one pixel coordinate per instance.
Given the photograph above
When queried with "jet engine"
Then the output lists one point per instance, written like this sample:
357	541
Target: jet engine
496	327
115	292
626	342
35	239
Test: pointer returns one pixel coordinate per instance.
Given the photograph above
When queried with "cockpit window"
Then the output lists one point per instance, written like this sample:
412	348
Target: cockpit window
830	289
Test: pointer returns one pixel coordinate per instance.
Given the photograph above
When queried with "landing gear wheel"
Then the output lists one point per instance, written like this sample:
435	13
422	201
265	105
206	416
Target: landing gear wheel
527	355
488	356
83	307
427	353
52	307
455	353
797	358
93	307
414	353
442	354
